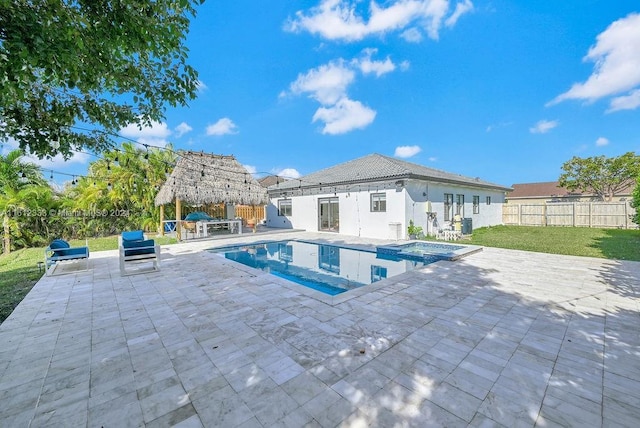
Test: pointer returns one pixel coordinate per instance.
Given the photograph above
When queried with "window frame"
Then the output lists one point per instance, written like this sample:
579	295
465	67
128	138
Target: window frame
488	200
285	203
460	204
448	207
381	197
476	204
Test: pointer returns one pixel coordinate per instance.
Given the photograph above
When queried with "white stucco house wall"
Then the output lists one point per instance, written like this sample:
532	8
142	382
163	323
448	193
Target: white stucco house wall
376	196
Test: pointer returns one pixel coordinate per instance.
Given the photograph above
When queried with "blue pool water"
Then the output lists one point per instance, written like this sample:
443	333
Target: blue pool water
327	268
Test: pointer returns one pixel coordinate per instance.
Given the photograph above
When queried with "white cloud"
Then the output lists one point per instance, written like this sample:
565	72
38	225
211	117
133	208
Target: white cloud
154	135
461	8
182	129
544	126
625	102
412	35
407	151
367	65
433	159
58	162
156	130
339	19
344	116
499	125
9	145
250	169
287	173
201	87
327	83
616	55
222	127
602	141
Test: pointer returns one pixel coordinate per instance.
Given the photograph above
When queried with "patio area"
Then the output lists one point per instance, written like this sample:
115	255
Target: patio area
498	338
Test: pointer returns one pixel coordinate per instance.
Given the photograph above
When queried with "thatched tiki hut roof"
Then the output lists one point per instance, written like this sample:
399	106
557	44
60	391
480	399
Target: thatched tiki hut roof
201	178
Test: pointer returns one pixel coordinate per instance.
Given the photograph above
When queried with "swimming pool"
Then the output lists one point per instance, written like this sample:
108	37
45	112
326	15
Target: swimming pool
327	268
427	250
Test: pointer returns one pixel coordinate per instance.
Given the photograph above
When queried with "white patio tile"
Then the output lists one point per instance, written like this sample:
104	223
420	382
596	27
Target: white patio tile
500	338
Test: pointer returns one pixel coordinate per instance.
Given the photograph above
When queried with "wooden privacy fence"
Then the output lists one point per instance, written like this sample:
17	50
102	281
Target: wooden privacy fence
248	212
577	214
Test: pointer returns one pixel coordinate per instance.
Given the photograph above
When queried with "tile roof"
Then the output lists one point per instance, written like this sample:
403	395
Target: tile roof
270	180
375	168
541	190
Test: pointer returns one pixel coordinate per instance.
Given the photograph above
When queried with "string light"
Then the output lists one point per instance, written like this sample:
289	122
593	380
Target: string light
216	165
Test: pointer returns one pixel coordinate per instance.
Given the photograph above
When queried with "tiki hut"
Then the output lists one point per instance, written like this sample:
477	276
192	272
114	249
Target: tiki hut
203	179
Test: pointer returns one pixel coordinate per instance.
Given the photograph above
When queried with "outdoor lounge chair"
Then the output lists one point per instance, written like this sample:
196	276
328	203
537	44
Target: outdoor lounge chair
60	251
135	248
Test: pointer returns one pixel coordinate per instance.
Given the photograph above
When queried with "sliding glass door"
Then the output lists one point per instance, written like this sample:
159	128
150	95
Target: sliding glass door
329	214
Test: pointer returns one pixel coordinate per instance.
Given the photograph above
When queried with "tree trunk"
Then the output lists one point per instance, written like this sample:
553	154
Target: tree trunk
7	235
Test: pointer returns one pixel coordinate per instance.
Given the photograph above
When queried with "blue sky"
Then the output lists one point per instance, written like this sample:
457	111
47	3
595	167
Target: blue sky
503	90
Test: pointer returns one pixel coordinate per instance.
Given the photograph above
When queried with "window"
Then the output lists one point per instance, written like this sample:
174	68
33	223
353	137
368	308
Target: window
284	207
285	252
329	258
378	202
488	200
476	204
460	205
448	206
378	273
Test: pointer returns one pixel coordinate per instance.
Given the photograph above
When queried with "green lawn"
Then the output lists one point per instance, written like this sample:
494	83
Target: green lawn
19	270
577	241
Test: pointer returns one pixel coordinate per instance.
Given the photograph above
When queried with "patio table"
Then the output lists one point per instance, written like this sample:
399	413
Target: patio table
203	226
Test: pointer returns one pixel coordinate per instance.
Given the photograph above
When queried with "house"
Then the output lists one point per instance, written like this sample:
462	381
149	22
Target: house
551	192
376	196
270	180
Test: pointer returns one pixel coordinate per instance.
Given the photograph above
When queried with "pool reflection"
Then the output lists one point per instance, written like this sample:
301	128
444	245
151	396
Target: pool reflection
327	268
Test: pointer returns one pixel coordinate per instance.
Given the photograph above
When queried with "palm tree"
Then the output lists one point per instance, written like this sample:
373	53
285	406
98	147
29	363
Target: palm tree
124	183
16	175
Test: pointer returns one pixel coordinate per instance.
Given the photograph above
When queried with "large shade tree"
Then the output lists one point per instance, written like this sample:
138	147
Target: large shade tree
602	176
72	72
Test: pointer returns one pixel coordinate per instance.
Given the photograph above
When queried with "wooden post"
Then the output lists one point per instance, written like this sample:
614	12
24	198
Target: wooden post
626	216
178	220
161	220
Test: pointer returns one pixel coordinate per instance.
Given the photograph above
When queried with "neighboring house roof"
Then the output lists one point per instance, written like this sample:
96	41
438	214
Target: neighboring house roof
270	180
540	190
551	189
375	168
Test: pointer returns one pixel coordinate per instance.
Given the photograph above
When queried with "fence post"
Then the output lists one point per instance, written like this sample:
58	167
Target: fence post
590	213
544	214
575	215
626	216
